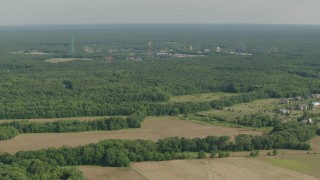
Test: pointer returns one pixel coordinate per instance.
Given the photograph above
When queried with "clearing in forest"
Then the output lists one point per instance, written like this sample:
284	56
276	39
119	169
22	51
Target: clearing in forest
201	97
153	128
265	106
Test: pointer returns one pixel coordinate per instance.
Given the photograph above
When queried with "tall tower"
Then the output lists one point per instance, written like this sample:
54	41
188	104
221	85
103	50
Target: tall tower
71	49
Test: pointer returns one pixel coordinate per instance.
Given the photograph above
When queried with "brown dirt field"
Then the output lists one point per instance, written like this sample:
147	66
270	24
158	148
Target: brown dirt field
217	169
315	144
59	60
101	173
152	128
57	119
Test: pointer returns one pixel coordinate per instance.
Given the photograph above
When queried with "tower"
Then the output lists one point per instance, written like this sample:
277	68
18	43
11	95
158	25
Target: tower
71	49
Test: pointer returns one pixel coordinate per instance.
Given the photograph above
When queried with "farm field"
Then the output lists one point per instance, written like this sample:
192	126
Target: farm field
200	97
152	128
229	168
308	164
101	173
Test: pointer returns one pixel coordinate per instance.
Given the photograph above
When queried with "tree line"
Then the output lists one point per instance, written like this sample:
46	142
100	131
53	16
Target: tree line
9	130
257	120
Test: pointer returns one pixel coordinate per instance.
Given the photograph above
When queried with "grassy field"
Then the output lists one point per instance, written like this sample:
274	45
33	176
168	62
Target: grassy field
308	164
266	106
152	128
229	168
102	173
201	97
59	60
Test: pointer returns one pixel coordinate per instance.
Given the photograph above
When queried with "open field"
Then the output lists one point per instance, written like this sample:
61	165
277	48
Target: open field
58	119
200	97
266	106
101	173
59	60
229	168
152	128
308	164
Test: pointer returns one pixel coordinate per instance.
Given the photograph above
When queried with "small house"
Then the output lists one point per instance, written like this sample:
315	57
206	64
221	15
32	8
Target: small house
284	111
315	95
314	104
284	101
302	107
307	121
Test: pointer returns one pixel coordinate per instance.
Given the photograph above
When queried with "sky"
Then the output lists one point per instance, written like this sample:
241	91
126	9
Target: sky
37	12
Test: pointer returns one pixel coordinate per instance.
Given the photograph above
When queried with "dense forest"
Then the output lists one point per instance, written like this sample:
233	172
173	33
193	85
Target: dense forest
34	88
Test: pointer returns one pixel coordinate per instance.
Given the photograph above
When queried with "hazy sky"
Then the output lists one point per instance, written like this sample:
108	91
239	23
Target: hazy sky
20	12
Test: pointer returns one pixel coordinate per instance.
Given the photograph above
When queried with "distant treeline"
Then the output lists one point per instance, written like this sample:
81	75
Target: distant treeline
9	130
149	109
257	120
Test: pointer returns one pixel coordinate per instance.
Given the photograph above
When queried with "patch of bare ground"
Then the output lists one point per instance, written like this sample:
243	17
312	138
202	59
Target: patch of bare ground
217	169
315	144
153	128
102	173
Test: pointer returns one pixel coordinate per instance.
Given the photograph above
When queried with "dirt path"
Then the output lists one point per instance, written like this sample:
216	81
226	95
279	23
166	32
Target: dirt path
315	144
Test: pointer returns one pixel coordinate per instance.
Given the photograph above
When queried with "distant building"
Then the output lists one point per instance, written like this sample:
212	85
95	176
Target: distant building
284	101
315	95
314	104
307	121
284	111
218	49
302	107
109	59
161	54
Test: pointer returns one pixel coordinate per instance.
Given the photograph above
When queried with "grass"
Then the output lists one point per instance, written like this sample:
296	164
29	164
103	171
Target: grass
308	164
224	168
201	97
